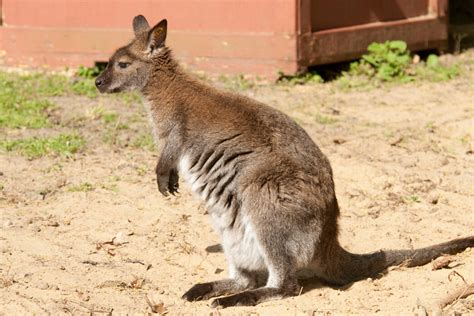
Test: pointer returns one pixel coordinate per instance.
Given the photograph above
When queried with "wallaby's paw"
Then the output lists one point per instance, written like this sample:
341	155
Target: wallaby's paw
198	292
168	182
173	182
162	182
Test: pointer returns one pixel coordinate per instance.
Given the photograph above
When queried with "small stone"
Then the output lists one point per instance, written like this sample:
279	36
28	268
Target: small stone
7	224
43	286
444	161
119	239
53	224
156	304
433	198
416	59
408	162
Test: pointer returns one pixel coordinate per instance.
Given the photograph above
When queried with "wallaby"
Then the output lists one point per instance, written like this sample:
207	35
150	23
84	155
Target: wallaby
268	188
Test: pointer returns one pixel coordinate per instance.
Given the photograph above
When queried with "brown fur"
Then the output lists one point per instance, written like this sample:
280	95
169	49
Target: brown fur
268	187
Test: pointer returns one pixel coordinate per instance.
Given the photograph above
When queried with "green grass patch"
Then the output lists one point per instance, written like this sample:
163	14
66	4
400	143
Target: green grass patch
22	102
85	87
323	119
24	98
144	141
110	117
239	82
83	187
64	145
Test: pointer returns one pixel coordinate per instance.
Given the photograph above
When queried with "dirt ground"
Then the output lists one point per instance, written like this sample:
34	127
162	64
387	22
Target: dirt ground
92	233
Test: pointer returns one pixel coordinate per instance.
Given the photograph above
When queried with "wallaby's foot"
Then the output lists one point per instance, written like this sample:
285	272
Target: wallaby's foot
251	297
200	291
204	291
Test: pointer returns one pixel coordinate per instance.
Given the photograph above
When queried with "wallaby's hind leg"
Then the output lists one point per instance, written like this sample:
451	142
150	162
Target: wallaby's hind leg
202	291
281	282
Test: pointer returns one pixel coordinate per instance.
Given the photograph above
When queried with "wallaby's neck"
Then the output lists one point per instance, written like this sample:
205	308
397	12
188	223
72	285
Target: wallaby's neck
168	85
168	92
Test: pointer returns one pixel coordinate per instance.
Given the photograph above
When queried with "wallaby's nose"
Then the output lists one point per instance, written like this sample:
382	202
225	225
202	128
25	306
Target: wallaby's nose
98	82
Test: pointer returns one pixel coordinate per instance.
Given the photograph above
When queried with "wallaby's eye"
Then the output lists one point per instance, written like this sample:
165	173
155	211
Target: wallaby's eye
123	65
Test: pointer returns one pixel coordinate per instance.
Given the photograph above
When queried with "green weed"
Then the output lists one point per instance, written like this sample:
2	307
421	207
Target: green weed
413	199
89	72
142	170
64	145
387	61
391	62
466	139
432	70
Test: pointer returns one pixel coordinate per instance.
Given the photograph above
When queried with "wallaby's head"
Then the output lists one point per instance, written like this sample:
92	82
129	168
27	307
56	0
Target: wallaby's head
130	66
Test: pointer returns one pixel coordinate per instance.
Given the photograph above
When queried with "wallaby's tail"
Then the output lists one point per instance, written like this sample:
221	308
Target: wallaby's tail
345	267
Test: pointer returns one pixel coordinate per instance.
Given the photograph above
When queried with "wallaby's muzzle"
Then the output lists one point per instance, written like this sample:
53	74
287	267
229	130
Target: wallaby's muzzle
98	82
102	83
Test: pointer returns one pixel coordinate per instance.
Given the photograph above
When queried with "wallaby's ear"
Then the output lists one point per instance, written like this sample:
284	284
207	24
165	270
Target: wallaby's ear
157	35
140	24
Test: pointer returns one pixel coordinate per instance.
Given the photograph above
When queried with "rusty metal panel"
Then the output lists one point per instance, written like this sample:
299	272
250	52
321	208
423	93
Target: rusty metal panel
342	30
342	13
351	42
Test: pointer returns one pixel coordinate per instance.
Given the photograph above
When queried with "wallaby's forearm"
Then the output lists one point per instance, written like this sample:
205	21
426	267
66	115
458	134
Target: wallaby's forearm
166	168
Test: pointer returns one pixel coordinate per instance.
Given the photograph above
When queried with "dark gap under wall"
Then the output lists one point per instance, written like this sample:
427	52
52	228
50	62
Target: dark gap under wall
461	25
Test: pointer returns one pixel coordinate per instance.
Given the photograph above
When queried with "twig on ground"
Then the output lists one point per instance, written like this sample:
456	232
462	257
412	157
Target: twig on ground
454	297
443	262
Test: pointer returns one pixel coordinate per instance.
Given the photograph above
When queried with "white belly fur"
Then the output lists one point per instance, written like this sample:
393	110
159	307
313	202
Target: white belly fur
240	244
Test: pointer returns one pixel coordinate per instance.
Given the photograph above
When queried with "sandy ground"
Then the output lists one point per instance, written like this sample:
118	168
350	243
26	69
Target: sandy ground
403	166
